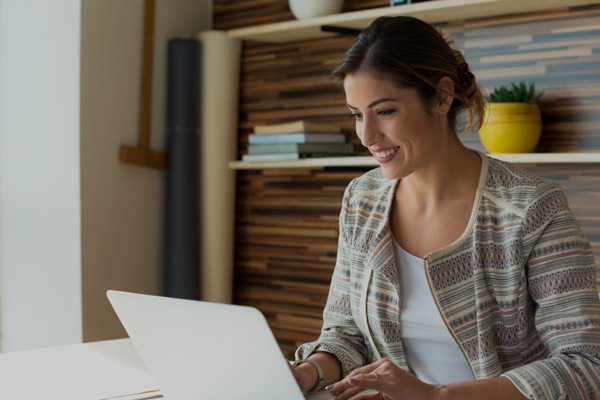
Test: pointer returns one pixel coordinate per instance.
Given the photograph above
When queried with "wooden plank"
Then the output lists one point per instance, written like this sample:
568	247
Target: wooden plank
142	155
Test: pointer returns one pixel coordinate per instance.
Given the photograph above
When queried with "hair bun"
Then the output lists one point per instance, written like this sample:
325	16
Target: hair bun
465	74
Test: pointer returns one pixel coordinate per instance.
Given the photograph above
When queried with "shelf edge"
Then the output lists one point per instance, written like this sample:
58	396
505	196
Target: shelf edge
368	161
435	11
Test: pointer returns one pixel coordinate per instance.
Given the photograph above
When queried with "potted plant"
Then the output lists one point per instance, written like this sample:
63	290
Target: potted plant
513	121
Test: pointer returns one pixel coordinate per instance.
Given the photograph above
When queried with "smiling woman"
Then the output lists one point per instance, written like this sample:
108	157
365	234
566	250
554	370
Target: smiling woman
444	248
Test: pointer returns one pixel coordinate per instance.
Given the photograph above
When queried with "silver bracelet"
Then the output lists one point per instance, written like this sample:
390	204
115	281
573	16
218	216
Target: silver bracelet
320	377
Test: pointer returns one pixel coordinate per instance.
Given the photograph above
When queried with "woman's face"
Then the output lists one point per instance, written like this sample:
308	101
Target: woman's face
393	123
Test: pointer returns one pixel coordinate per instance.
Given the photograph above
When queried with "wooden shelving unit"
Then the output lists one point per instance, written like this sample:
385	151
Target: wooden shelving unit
368	161
434	11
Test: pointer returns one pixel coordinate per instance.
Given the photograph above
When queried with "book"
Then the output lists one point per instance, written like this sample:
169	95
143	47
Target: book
296	126
297	137
286	156
302	148
270	157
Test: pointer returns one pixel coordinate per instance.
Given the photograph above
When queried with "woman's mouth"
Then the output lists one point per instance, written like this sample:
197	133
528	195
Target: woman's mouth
385	155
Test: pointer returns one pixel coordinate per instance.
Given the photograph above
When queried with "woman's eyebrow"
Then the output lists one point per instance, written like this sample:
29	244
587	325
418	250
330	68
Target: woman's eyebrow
373	103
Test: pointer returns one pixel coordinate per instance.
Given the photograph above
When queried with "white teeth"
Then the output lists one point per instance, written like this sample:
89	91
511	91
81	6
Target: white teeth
385	153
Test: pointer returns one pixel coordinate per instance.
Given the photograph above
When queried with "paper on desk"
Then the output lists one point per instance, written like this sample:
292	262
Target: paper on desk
150	395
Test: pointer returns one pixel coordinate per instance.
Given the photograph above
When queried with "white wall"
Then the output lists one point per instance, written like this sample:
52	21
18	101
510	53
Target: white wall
122	204
74	221
40	241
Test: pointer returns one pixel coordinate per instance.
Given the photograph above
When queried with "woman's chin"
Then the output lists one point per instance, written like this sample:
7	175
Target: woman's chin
389	172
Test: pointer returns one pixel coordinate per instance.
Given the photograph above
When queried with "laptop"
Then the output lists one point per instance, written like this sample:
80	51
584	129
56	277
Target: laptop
200	350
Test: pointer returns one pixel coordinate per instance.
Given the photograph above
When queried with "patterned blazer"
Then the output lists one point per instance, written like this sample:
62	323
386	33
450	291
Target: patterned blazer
518	290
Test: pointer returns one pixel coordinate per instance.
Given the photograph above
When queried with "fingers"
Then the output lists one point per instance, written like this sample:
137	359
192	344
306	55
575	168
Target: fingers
371	380
368	368
369	396
368	377
356	383
344	393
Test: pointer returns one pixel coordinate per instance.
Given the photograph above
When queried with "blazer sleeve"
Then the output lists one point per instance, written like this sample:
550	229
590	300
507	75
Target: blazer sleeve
563	284
340	334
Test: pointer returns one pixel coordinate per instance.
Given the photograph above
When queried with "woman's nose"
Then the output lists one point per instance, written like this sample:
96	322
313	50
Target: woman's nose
367	132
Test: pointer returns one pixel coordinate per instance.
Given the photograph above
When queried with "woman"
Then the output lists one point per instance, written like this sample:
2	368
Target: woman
458	276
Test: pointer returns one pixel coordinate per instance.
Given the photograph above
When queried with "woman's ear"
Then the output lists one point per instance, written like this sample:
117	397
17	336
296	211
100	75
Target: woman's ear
444	95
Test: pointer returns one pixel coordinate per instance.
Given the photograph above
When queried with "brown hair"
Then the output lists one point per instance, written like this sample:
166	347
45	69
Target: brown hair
415	55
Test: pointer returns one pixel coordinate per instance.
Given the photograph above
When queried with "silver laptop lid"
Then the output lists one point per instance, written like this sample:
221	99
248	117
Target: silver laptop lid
200	350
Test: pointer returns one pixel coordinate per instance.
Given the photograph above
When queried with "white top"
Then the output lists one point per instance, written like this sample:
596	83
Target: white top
431	351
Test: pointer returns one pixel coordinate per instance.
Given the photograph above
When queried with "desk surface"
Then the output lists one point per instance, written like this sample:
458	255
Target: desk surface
91	371
99	370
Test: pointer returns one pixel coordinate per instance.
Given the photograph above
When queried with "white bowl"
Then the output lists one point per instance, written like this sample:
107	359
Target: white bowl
304	9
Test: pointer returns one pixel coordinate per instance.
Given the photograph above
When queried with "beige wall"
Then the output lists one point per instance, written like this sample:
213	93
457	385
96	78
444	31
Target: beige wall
122	205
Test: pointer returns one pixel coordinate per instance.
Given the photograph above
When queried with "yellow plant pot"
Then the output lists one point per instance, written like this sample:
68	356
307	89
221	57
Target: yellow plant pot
511	127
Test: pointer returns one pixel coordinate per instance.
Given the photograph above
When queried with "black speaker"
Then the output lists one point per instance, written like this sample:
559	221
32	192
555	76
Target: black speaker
182	252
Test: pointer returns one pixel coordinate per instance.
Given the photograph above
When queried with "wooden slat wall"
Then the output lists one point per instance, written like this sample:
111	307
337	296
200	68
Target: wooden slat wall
560	52
286	243
286	228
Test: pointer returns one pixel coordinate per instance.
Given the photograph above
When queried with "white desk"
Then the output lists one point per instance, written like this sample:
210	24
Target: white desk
92	371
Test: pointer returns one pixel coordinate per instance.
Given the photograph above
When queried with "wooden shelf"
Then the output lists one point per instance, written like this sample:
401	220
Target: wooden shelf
433	11
368	161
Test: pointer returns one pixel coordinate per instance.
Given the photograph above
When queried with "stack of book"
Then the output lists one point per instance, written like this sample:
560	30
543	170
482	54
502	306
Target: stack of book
296	140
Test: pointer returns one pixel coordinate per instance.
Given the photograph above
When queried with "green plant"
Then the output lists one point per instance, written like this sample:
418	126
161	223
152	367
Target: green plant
515	93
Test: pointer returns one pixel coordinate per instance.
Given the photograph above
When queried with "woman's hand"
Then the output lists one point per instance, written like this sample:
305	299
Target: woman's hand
307	376
305	379
386	381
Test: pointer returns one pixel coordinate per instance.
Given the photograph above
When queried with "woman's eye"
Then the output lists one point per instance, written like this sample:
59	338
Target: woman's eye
385	112
355	115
